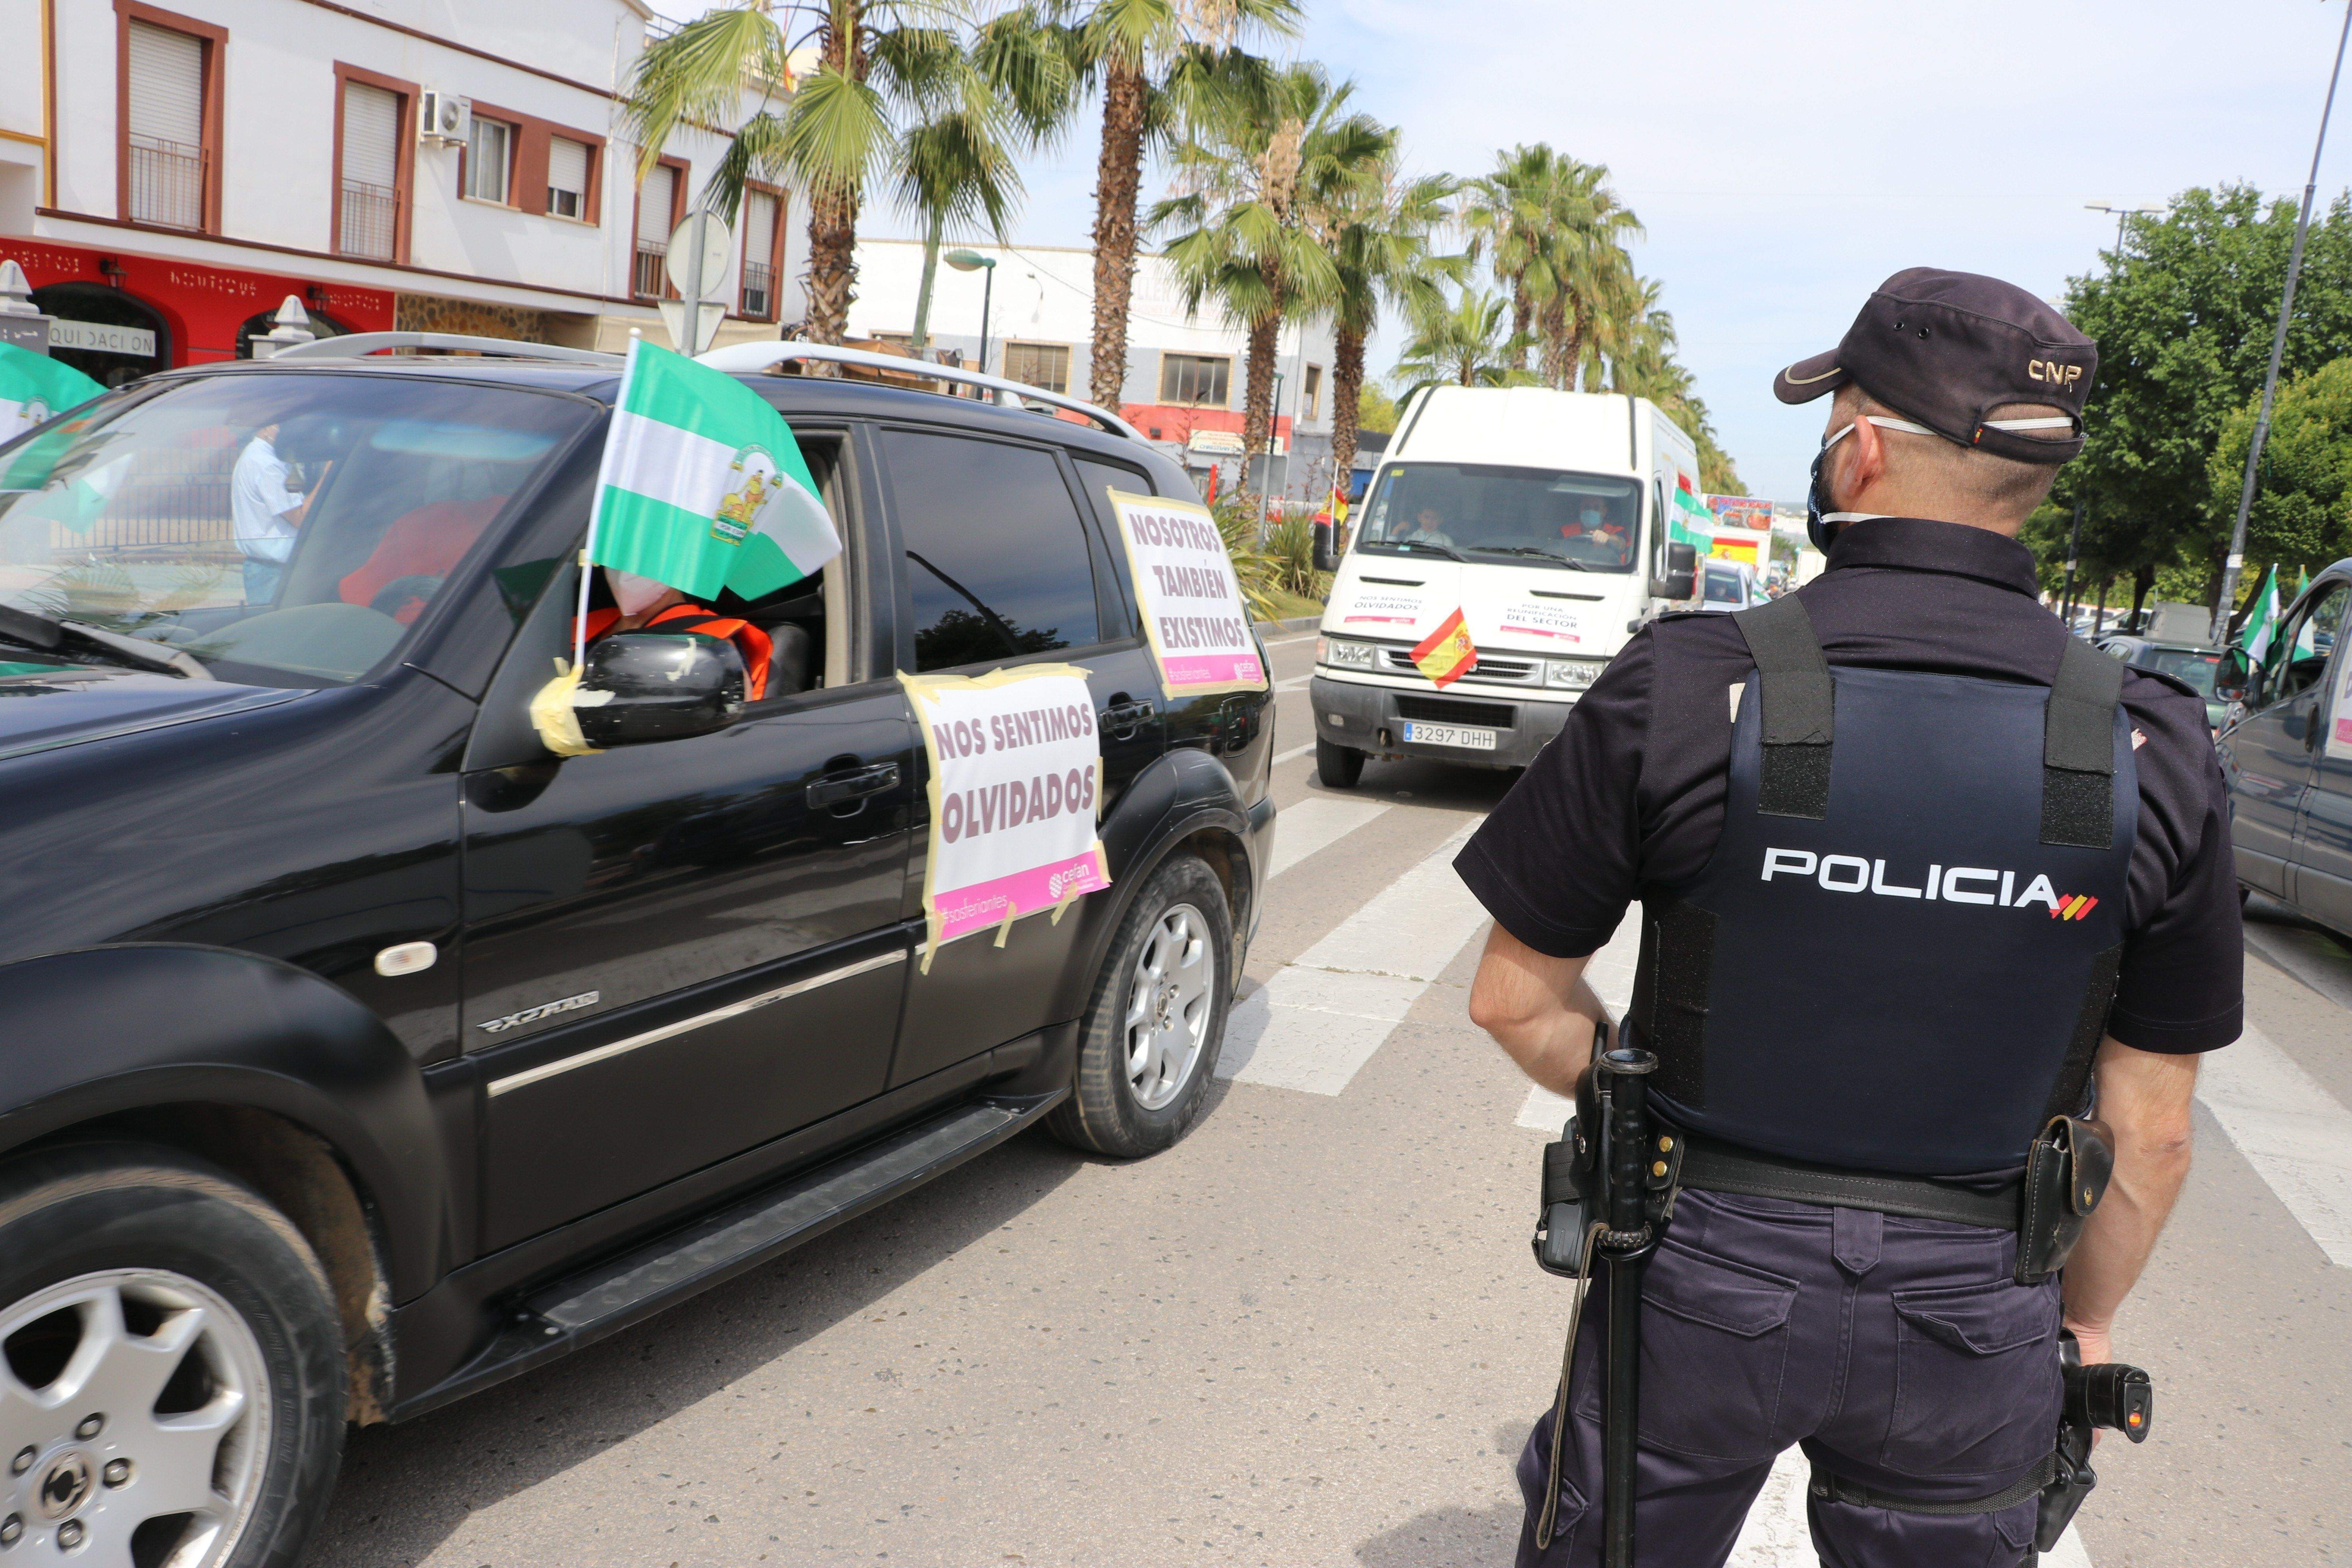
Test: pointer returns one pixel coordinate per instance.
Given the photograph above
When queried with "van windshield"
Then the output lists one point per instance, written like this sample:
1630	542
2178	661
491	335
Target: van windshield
1589	522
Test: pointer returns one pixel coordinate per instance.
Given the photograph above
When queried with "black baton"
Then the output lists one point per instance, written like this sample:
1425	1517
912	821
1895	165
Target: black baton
1626	1246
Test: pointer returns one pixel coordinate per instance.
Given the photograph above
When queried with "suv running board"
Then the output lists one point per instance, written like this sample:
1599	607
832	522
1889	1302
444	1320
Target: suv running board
585	1307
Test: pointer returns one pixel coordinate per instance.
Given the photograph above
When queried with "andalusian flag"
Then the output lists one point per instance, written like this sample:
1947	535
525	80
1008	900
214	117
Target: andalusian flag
2262	619
35	387
1692	523
703	486
1447	655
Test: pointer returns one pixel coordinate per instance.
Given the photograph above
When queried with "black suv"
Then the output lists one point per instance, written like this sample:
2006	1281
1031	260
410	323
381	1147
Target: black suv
357	1053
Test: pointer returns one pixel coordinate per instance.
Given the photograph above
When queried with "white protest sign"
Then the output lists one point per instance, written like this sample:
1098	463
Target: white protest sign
1526	618
1015	783
2339	722
1193	611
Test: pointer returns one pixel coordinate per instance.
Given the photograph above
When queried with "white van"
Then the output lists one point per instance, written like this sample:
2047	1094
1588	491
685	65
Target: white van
1542	517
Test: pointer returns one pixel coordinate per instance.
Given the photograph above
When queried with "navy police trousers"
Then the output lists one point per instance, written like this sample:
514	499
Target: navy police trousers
1899	1352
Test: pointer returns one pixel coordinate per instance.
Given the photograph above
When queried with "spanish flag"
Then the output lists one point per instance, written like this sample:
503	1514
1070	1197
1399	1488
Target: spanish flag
1447	655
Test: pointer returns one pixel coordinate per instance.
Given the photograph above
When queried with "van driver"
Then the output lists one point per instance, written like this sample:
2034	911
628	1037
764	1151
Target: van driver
1595	526
1427	527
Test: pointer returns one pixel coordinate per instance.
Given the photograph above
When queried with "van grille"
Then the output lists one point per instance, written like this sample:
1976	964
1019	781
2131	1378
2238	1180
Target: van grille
1452	711
1486	667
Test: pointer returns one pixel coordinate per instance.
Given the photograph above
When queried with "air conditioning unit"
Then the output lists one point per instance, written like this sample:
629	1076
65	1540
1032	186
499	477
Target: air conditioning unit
443	118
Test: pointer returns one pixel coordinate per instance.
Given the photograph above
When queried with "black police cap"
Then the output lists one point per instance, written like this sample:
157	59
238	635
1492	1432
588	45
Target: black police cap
1944	349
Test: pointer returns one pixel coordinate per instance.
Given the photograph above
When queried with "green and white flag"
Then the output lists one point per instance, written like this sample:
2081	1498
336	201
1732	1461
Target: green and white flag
703	486
2261	616
34	388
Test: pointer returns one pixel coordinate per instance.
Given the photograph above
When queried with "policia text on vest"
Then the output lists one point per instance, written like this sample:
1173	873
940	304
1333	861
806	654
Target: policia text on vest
1931	931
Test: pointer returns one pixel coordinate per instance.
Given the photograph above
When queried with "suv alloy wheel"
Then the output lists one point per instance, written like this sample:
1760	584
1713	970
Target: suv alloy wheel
1157	1019
171	1366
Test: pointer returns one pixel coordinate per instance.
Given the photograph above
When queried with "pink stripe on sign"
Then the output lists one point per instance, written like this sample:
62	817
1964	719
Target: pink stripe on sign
1215	669
982	905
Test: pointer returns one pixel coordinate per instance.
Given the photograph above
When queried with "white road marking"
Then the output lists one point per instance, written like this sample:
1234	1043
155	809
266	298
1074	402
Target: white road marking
1293	684
1314	1024
1777	1534
2297	1135
1610	975
1317	824
1281	757
1297	636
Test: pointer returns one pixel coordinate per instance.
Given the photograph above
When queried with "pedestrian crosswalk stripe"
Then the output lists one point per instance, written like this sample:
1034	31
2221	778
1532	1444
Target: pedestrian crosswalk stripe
1315	824
1314	1024
2297	1135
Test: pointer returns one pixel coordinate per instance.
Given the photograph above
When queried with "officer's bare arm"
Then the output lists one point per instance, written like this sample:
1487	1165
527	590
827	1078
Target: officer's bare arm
1539	1009
2144	1100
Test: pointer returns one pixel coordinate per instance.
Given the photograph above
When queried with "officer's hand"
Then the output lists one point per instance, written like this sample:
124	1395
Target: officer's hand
2093	1342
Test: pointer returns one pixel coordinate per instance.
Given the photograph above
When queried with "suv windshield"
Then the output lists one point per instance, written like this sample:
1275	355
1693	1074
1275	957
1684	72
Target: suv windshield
2182	664
1587	521
288	528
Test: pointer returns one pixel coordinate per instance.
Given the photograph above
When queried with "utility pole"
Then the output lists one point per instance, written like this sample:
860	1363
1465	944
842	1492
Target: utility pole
2236	559
2074	552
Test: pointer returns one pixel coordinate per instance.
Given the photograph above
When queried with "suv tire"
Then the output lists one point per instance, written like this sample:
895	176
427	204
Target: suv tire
1152	1030
1337	767
162	1287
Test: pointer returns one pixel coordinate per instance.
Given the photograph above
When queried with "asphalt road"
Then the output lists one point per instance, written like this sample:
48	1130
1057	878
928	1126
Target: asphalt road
1311	1333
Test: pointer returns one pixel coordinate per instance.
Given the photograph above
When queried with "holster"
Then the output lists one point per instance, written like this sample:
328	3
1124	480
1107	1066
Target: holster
2066	1174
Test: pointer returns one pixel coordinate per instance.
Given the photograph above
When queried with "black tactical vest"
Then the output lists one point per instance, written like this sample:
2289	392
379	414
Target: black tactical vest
1900	955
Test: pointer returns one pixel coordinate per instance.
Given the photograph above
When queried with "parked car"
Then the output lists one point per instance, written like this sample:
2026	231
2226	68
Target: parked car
2288	756
2194	664
361	1053
1725	586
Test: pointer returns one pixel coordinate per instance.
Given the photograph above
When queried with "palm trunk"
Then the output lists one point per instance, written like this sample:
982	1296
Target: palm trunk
1577	334
1118	179
1257	401
1347	382
921	338
1523	313
833	263
1554	327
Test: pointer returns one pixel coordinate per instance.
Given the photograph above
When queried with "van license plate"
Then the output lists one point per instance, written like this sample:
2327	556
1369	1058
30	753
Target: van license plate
1417	733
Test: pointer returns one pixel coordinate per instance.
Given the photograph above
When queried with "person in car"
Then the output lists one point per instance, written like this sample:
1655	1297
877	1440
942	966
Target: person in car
673	611
1602	534
1427	527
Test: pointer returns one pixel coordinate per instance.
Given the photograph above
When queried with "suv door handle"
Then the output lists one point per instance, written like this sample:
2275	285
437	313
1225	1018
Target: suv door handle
856	784
1123	716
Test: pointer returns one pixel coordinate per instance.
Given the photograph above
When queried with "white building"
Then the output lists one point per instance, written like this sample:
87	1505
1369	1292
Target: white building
168	176
1185	375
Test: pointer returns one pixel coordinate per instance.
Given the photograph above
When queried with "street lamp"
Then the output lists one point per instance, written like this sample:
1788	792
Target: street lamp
2124	215
973	261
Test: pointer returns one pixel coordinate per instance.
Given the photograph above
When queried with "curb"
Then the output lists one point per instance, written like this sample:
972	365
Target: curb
1294	623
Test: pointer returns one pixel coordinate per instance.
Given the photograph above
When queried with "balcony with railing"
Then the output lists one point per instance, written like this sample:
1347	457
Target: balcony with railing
758	291
167	182
370	221
649	282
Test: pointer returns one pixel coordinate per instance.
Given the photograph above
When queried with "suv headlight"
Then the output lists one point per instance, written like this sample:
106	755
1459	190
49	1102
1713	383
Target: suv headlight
1575	674
1347	655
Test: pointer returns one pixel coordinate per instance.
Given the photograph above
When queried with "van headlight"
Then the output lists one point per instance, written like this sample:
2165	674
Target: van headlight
1346	655
1575	674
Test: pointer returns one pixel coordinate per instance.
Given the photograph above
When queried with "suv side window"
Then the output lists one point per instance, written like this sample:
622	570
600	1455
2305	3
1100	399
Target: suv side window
996	557
2299	657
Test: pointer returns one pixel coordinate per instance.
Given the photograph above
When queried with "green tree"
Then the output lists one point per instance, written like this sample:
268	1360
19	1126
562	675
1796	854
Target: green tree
897	86
1381	228
1470	343
1511	214
2303	505
1261	150
1144	54
2183	318
1375	410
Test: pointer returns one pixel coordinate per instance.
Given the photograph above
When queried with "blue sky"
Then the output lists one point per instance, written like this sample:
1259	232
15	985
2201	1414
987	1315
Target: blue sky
1788	156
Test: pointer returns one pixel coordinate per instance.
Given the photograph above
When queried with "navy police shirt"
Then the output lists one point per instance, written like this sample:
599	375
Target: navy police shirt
1630	797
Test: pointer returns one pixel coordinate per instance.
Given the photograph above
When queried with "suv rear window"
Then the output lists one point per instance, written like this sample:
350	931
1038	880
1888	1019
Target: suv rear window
996	557
288	528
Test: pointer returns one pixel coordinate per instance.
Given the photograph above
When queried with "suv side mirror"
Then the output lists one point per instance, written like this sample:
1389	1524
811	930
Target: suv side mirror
1681	580
1327	547
658	686
2234	681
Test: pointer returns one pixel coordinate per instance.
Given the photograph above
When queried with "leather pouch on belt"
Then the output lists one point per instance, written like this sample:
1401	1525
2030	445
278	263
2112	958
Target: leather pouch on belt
2066	1174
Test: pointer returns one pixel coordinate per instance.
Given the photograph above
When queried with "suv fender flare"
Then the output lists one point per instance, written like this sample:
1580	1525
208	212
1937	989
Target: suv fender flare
1179	795
101	1031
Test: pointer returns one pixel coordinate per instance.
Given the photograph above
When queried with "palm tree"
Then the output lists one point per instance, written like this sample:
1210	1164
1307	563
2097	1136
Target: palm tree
894	84
1469	344
1381	231
1262	146
1144	54
1589	260
1512	216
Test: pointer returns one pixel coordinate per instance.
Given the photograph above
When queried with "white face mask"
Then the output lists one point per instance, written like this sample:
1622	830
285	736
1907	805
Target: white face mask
2050	422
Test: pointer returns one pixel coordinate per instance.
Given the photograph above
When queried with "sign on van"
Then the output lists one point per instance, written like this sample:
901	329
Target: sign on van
1193	611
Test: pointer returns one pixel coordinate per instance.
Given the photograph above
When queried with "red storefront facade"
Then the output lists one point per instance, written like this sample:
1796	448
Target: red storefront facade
136	313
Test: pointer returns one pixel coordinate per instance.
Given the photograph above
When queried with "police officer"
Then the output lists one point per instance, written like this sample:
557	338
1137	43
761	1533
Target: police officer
1918	873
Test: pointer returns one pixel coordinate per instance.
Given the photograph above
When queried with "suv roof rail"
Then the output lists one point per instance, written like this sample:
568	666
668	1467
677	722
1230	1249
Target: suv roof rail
750	359
358	345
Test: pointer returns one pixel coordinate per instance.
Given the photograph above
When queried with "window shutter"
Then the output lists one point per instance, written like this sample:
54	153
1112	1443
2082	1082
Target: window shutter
567	169
167	86
655	204
759	229
371	135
